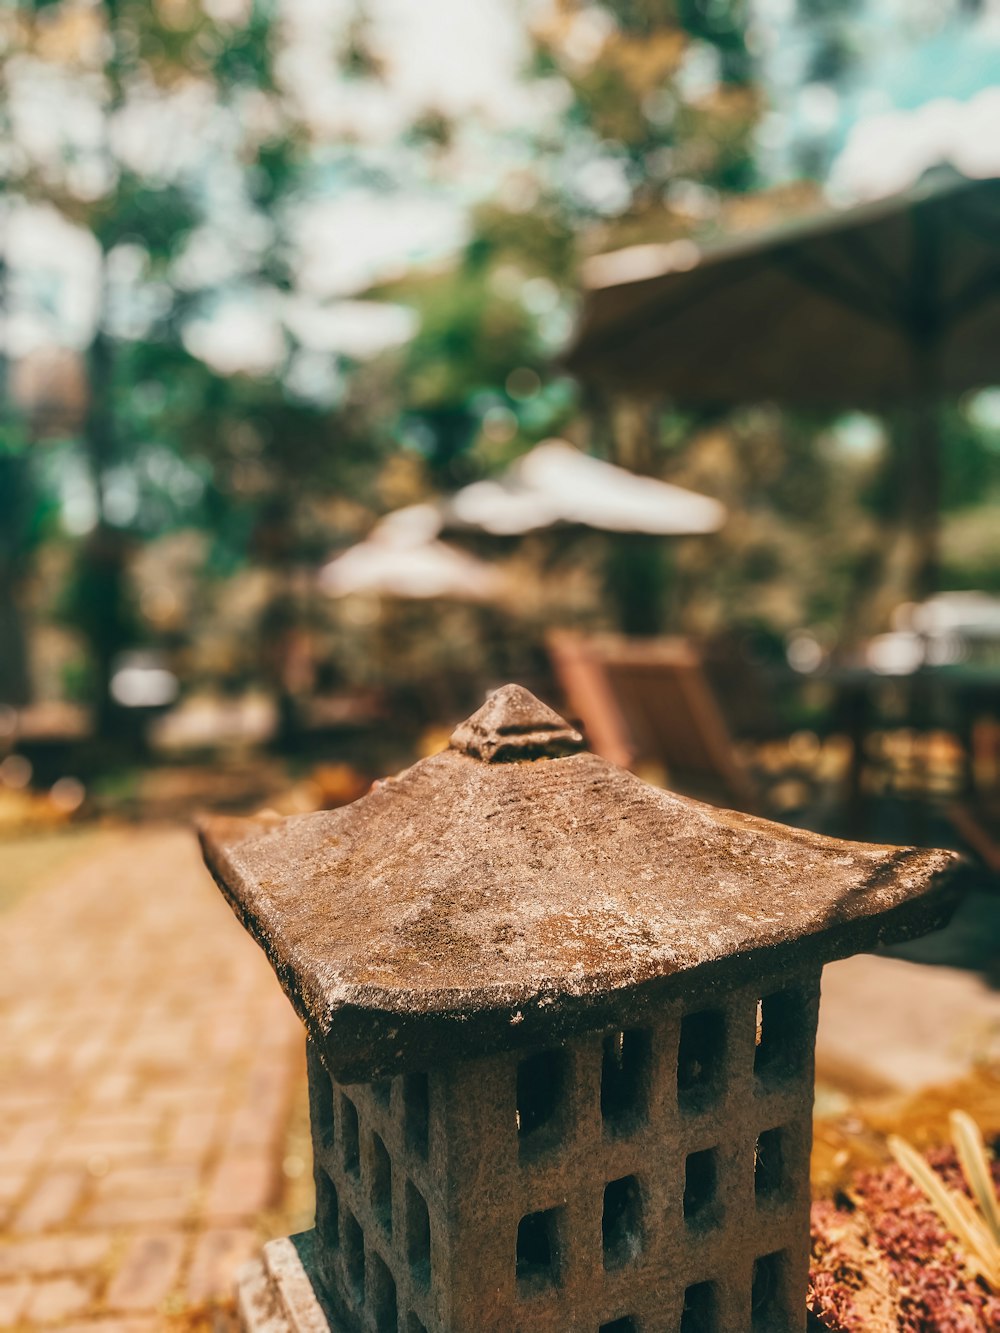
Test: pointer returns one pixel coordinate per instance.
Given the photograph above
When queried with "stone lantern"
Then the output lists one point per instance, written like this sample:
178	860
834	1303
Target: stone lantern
561	1029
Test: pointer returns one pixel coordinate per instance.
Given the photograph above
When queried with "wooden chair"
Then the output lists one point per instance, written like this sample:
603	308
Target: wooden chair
648	701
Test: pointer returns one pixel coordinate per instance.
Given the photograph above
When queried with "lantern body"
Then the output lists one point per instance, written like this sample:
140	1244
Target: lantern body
630	1179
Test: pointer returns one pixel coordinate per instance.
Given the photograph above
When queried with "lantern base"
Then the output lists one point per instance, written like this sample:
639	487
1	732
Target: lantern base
274	1293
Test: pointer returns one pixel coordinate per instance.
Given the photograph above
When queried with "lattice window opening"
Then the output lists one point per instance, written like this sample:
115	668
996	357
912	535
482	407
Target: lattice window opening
622	1222
626	1325
382	1092
353	1243
626	1065
702	1202
383	1296
321	1099
417	1113
380	1183
350	1136
700	1311
541	1099
413	1324
418	1236
768	1306
701	1060
537	1254
770	1173
782	1042
327	1211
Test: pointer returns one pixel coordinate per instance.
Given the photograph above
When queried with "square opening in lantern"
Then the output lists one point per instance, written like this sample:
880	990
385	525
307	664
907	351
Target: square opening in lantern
700	1059
350	1136
417	1112
327	1211
782	1044
770	1173
383	1297
321	1104
381	1183
626	1325
418	1235
541	1096
625	1070
768	1303
537	1261
382	1092
701	1188
621	1224
354	1256
700	1313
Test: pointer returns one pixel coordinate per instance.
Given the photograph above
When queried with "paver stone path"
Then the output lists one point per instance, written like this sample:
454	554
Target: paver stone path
149	1065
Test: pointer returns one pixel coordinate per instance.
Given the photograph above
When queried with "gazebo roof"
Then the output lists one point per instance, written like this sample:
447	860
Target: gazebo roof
839	309
515	888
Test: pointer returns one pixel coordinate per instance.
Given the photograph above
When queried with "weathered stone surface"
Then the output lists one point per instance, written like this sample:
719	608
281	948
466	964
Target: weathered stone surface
611	1181
487	899
513	725
274	1294
597	1003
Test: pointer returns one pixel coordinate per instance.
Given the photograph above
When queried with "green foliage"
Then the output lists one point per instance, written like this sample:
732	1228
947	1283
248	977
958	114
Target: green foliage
541	241
469	340
723	23
97	601
242	57
970	459
158	218
147	436
14	439
664	105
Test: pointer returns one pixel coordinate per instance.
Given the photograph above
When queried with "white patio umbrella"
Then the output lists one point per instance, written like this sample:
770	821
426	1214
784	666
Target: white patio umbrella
555	485
407	576
556	488
401	557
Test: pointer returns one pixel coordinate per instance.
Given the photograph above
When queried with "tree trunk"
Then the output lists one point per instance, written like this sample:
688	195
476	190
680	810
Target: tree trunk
921	508
15	685
104	613
637	578
15	506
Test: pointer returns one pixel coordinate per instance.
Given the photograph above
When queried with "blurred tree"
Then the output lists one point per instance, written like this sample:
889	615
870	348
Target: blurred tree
163	144
15	519
228	189
478	369
822	65
17	526
654	125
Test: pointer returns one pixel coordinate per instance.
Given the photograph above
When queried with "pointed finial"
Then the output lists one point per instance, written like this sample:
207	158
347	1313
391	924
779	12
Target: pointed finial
511	725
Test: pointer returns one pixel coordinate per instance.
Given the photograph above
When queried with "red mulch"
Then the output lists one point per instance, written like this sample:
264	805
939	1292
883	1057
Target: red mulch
883	1260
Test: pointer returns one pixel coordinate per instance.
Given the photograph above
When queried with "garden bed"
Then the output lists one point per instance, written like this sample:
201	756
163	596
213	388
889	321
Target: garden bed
883	1259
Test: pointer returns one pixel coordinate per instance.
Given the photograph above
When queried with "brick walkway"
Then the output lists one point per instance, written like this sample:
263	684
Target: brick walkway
149	1068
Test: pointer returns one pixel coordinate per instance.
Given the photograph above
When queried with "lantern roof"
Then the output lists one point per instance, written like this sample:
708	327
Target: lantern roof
516	888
